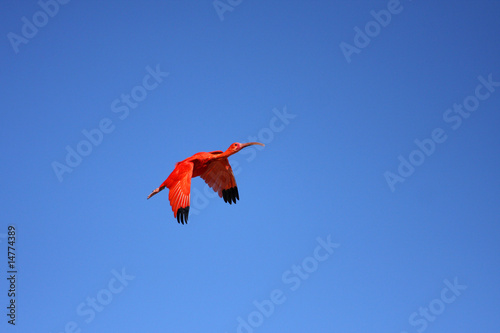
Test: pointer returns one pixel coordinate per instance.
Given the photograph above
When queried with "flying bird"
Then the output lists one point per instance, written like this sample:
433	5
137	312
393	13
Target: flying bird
213	167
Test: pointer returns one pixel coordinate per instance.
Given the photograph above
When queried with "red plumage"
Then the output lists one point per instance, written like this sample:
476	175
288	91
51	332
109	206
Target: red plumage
213	167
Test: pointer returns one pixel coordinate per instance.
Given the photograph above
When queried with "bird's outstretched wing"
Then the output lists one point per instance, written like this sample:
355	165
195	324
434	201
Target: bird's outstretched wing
219	176
179	185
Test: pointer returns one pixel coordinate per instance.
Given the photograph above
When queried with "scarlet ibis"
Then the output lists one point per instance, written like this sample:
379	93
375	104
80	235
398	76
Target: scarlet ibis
213	167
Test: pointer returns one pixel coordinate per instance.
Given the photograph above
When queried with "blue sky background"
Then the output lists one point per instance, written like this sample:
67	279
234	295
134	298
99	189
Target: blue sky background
320	174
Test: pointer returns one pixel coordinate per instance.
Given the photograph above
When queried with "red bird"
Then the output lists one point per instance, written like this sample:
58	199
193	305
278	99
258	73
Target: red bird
215	170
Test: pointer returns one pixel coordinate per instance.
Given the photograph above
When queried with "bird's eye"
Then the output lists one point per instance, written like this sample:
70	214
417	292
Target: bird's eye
236	145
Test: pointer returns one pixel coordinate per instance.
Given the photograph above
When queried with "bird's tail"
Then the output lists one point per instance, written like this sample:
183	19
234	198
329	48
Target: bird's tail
156	191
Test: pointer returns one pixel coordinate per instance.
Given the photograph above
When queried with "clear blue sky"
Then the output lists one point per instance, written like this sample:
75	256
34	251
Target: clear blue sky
374	206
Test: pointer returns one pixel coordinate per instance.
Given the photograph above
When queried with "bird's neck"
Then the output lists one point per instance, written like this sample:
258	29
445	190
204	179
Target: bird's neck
225	154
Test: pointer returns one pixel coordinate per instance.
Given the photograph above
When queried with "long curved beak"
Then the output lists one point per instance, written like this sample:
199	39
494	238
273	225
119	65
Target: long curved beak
243	145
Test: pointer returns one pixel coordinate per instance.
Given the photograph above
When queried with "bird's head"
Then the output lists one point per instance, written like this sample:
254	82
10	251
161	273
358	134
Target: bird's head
236	147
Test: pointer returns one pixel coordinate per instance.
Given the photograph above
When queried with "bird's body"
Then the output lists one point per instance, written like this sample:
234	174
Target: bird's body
213	167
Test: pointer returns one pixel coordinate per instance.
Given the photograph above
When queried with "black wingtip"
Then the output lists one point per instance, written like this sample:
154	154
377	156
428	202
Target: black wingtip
182	215
231	195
